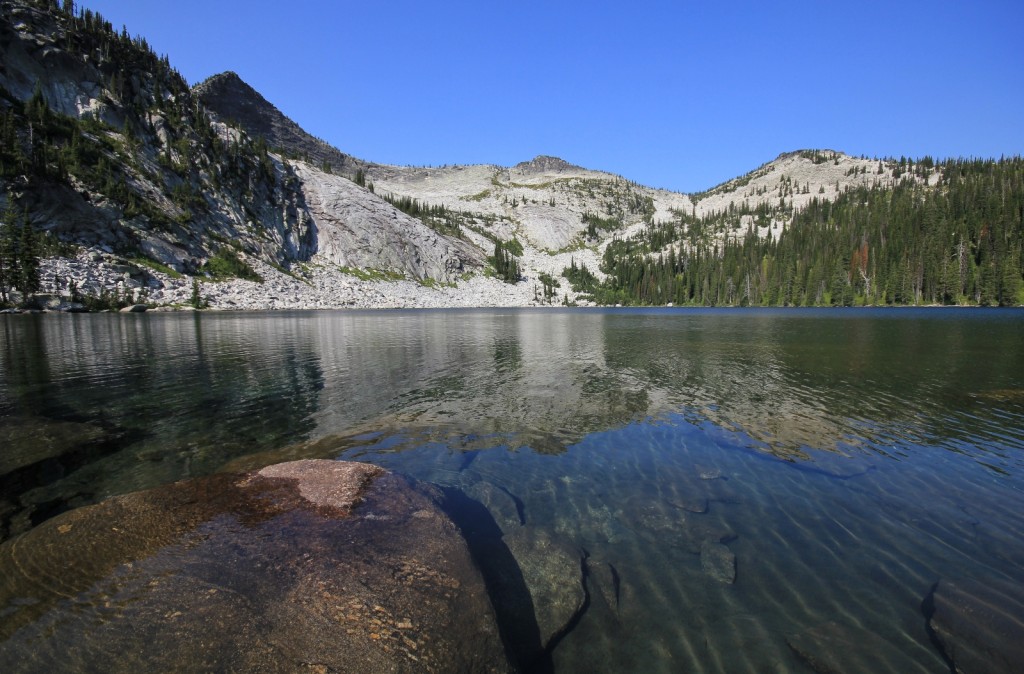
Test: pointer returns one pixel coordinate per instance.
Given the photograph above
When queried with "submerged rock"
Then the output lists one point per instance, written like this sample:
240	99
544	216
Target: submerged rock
831	648
32	451
603	577
326	565
693	504
503	506
747	643
718	561
699	532
32	440
534	578
553	573
979	625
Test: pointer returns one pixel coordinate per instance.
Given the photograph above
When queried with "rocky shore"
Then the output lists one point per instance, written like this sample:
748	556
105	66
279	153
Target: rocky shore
312	286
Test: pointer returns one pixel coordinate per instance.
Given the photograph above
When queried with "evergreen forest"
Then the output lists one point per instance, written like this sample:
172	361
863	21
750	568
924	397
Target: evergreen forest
954	241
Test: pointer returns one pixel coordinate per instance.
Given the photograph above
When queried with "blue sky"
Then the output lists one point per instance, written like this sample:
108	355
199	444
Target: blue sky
678	94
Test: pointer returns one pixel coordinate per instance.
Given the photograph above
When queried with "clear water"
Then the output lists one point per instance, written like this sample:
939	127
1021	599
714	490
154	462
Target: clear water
849	459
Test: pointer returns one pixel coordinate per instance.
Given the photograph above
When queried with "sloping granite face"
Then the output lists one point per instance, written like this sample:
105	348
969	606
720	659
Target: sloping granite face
356	228
310	566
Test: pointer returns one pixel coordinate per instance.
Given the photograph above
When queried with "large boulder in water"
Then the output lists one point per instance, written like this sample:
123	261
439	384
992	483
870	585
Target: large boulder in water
305	566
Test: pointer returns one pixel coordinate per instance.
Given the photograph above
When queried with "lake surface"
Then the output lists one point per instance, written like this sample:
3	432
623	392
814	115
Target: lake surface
849	459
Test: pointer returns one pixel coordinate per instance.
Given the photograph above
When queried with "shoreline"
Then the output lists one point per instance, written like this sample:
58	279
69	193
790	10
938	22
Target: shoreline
317	287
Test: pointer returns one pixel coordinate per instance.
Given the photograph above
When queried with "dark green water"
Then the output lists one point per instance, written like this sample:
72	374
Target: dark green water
857	457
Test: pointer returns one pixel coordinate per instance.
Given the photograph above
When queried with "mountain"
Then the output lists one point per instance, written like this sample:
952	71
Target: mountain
104	146
132	186
238	104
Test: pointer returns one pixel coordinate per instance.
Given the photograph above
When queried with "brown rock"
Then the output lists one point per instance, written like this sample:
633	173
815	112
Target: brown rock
313	564
329	484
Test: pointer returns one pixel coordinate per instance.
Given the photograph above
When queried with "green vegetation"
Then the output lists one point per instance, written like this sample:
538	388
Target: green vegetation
505	262
819	157
479	196
165	144
595	223
549	284
956	242
288	272
513	246
226	264
19	254
537	186
197	301
106	300
155	266
440	219
428	282
372	274
730	186
581	279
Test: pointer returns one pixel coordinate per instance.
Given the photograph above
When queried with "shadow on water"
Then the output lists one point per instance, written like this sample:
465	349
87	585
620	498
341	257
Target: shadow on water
506	586
928	611
46	468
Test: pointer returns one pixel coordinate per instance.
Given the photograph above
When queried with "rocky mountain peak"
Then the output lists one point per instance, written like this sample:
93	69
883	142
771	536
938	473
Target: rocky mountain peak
230	99
546	164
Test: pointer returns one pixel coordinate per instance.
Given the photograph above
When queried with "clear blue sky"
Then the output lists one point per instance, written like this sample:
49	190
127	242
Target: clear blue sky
678	94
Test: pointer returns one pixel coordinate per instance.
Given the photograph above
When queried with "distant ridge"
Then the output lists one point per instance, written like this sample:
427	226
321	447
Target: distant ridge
231	99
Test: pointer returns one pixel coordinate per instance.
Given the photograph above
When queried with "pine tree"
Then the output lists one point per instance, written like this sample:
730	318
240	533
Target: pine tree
27	277
8	249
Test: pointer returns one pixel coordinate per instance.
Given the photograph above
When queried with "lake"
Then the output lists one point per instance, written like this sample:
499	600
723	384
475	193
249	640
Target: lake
846	460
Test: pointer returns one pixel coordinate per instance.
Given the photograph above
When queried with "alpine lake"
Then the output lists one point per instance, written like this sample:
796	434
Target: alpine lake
739	490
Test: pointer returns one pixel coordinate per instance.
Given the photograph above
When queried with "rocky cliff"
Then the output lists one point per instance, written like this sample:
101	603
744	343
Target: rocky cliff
105	147
358	229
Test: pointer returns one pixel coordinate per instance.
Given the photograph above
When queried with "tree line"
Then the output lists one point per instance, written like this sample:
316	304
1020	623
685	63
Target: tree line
19	254
957	241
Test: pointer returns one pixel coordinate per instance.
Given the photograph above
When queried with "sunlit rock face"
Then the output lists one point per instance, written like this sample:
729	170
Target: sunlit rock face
318	565
356	228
